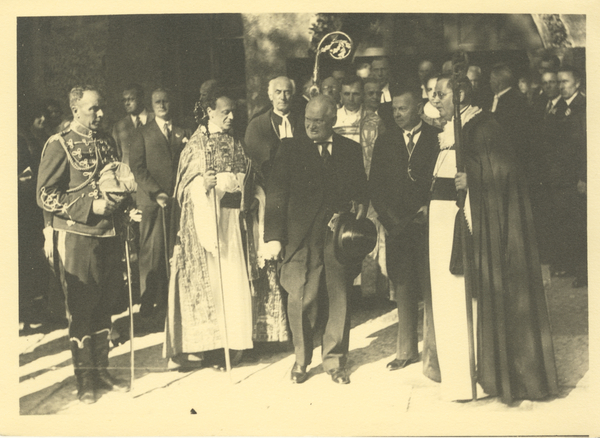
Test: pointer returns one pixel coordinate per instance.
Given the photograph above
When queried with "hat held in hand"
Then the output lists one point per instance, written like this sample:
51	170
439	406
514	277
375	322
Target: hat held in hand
353	238
117	178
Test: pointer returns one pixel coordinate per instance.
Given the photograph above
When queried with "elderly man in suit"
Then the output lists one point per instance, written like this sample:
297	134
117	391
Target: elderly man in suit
265	132
401	169
137	115
315	176
155	151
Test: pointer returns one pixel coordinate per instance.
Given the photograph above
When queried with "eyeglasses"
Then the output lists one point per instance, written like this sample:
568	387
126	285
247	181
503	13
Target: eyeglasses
439	94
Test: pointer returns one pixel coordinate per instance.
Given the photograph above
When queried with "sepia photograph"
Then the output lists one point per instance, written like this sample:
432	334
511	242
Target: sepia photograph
300	223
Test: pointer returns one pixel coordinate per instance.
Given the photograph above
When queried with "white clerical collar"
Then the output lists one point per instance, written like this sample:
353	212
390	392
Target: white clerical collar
570	99
348	112
214	129
503	92
280	114
161	122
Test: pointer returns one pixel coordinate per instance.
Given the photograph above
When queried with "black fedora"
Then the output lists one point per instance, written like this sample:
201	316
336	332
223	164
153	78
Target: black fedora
353	238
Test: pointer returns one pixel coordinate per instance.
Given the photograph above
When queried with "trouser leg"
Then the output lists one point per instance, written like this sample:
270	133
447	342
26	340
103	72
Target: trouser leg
336	337
84	369
152	266
402	267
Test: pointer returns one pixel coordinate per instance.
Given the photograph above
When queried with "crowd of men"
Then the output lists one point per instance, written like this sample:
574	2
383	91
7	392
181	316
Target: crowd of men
239	236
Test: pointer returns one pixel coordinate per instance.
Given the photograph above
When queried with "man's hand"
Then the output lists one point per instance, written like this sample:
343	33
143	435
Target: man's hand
162	199
103	207
581	187
460	181
272	249
210	180
48	242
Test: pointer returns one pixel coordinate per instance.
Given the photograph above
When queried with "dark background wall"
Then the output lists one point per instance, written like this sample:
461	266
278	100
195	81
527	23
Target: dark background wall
244	51
178	52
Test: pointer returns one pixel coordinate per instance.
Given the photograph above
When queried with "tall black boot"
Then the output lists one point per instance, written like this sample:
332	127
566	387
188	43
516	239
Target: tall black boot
104	380
84	370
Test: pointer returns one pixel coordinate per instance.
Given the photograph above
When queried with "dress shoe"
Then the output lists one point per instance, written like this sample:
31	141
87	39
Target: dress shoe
398	364
299	374
338	375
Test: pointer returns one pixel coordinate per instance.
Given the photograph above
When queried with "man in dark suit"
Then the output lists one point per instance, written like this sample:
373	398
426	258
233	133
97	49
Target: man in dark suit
155	151
137	115
265	132
314	177
399	182
510	110
566	163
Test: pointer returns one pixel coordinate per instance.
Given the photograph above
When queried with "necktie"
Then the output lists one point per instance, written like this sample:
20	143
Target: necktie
411	144
325	155
138	122
167	131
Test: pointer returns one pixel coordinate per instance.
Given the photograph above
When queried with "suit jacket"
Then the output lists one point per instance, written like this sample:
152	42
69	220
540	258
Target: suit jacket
123	134
154	160
296	189
262	141
396	197
565	158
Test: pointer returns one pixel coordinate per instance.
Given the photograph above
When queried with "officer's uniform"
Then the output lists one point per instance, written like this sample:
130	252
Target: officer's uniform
88	247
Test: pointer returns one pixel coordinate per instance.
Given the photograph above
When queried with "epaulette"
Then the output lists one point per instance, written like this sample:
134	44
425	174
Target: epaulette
55	137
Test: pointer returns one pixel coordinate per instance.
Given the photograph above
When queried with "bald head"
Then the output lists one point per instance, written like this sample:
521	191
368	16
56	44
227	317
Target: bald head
320	116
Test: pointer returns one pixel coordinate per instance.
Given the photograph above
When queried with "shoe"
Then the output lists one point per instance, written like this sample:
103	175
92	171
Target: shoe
338	375
103	380
299	374
398	364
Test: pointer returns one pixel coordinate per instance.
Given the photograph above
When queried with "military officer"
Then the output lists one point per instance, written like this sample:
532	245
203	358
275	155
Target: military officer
88	247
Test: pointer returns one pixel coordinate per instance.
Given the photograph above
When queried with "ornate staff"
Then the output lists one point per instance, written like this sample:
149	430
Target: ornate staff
338	47
210	158
459	69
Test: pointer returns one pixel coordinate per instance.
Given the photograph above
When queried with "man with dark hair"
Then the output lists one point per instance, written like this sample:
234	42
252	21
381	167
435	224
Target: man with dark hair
350	114
315	177
515	358
401	169
210	278
155	150
68	188
511	111
566	163
380	68
137	115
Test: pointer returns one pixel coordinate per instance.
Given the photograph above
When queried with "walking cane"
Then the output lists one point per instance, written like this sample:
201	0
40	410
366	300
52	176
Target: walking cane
225	340
131	349
164	226
459	67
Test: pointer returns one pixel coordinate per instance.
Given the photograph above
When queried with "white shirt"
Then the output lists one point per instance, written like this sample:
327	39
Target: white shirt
161	124
570	99
385	94
143	116
329	146
415	137
497	97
